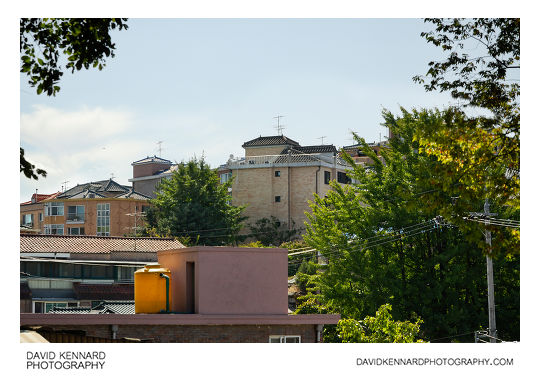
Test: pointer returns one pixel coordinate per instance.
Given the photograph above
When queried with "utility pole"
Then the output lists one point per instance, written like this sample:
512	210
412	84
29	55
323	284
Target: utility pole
489	266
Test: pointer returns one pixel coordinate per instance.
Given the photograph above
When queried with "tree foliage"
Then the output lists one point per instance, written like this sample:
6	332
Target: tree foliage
380	328
488	81
84	42
193	205
383	246
271	231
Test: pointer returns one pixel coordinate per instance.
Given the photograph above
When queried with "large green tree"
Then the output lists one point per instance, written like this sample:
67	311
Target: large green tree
384	246
481	71
194	206
84	42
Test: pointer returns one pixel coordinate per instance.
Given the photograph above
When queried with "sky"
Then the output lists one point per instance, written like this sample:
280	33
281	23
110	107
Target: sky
203	87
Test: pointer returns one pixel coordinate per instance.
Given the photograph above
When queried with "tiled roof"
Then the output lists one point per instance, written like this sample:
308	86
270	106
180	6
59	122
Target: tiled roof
317	149
100	291
97	188
105	307
31	243
153	159
270	141
135	195
40	197
296	157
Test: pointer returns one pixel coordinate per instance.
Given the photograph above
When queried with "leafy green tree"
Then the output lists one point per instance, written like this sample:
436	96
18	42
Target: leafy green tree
486	79
271	231
85	42
379	329
384	246
192	205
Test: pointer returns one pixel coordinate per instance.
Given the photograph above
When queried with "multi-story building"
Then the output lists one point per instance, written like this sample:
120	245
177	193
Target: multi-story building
148	173
31	212
278	177
103	208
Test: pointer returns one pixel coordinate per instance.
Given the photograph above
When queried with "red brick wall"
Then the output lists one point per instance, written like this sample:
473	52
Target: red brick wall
198	333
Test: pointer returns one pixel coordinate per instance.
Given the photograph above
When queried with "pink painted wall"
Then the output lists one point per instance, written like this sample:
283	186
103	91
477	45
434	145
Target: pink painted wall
229	280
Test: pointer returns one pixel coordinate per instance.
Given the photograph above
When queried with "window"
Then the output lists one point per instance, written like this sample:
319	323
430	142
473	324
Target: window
76	213
284	339
44	307
54	209
76	230
41	217
327	177
343	178
277	174
54	229
103	220
27	219
223	178
277	199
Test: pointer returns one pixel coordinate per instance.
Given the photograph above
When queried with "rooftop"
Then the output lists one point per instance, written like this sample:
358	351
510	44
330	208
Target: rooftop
33	243
36	197
153	159
270	141
105	307
96	189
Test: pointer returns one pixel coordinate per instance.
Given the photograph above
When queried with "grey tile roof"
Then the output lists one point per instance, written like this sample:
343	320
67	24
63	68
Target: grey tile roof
270	141
86	244
105	307
153	159
98	188
317	149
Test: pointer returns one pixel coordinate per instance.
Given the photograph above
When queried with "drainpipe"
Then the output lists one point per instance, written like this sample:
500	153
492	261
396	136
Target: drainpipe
162	275
317	180
114	330
319	329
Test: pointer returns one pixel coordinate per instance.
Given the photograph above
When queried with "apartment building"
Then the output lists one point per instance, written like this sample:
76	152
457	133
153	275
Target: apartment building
148	173
278	177
102	208
31	213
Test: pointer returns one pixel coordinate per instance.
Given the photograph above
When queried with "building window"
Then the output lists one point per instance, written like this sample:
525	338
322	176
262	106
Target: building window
75	230
54	209
27	219
277	199
343	178
41	217
44	307
223	178
75	213
285	339
277	174
327	177
54	229
103	220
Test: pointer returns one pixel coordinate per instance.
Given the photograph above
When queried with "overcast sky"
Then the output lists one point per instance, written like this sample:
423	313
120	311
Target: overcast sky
205	86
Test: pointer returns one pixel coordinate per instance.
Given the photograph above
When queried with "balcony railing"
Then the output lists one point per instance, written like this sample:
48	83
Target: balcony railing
284	159
73	218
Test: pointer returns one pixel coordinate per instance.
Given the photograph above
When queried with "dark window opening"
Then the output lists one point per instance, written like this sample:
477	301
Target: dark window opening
277	174
277	199
327	177
343	178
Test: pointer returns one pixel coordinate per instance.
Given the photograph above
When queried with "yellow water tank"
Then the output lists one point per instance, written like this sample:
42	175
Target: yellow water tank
152	284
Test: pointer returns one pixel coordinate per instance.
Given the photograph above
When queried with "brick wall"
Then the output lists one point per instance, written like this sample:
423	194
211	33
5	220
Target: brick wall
198	333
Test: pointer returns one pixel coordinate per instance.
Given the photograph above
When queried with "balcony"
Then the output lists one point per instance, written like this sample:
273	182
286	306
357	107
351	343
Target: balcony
74	218
293	159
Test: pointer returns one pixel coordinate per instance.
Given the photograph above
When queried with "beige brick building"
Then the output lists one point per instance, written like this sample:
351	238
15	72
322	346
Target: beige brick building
278	177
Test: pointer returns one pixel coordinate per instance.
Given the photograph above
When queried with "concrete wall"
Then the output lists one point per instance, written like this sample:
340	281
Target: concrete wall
258	187
264	150
34	209
229	280
146	187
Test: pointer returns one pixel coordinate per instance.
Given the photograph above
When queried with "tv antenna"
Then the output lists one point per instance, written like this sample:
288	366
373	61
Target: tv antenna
159	147
279	127
322	139
64	187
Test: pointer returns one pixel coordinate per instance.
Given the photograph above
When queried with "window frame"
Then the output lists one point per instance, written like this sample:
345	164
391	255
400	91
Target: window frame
277	198
277	173
50	211
103	221
48	229
283	338
327	177
76	217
